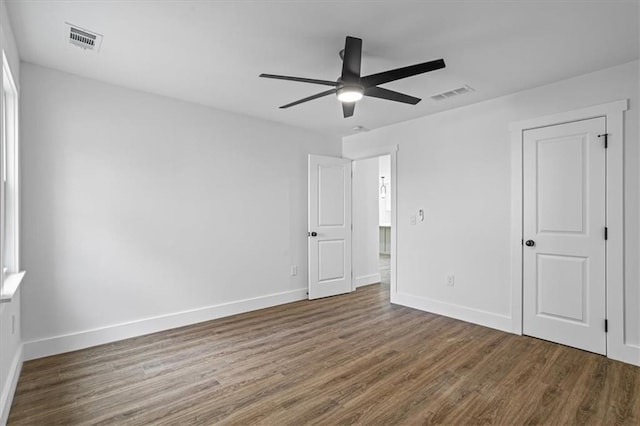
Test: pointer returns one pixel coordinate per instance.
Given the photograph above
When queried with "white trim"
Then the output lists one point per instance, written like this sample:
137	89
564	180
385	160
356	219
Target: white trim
367	279
516	231
9	389
380	151
13	172
463	313
614	113
392	151
617	347
568	116
88	338
10	286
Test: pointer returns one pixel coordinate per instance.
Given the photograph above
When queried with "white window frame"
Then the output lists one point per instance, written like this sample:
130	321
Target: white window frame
10	274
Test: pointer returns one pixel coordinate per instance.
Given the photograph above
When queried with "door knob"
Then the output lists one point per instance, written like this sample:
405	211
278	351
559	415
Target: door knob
530	243
313	234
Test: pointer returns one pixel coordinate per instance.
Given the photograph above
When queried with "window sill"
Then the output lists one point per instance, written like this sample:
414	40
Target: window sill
11	284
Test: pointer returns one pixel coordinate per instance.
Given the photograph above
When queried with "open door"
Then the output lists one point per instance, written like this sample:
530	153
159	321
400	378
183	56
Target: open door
329	226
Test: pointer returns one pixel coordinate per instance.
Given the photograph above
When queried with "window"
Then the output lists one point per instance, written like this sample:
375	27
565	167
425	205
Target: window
4	180
9	203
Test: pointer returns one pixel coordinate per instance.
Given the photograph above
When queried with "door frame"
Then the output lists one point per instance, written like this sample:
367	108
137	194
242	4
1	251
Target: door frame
392	151
615	303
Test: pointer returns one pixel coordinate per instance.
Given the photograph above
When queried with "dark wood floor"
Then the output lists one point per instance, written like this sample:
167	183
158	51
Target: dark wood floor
352	359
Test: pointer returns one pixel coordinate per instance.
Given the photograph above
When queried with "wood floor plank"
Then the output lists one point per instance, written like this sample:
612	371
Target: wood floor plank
351	359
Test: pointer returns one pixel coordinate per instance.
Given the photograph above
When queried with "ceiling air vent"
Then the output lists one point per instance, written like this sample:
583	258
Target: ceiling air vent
453	92
84	38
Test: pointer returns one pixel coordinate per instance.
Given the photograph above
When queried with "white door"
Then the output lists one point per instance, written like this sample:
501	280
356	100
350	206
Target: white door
564	234
329	226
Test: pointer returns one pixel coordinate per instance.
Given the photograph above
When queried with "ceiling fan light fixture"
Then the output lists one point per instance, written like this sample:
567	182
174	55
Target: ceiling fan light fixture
349	94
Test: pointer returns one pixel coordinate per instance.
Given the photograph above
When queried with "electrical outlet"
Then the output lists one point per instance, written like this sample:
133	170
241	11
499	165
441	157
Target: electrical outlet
294	270
450	280
412	220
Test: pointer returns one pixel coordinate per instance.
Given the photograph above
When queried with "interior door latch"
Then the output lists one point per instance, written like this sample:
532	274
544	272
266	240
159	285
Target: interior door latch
606	139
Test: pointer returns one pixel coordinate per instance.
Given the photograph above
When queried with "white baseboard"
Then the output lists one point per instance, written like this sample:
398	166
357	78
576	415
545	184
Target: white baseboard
367	279
475	316
9	388
84	339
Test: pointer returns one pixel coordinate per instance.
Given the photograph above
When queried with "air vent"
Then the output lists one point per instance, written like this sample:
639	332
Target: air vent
453	92
83	38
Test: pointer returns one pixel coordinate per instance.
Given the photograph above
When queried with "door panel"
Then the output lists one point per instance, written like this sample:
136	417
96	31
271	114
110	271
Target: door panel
564	215
331	200
560	286
330	220
331	258
561	184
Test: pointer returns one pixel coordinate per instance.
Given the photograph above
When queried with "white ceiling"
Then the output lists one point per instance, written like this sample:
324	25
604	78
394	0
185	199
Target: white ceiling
211	52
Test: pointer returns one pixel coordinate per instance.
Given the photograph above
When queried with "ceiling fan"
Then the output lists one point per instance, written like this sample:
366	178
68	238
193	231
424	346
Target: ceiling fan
350	87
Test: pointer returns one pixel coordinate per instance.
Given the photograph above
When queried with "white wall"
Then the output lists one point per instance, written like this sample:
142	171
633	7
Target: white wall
366	268
456	166
142	213
10	341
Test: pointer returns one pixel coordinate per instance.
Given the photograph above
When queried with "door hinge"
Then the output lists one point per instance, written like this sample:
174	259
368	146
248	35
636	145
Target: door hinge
606	233
606	139
606	326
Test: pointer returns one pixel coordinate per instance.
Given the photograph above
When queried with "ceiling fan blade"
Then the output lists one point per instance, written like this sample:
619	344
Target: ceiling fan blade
348	108
299	79
352	59
310	98
399	73
379	92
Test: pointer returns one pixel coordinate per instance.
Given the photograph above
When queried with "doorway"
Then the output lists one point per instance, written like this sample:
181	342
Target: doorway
342	262
613	325
384	219
372	221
